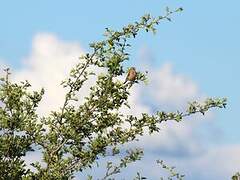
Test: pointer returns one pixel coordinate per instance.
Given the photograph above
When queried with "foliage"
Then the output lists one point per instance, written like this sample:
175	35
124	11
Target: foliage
77	135
171	170
236	176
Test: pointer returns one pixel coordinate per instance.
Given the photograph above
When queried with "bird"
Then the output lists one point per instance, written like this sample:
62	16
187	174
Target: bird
132	74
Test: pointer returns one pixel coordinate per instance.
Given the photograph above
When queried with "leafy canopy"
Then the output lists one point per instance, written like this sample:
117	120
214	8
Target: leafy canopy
74	137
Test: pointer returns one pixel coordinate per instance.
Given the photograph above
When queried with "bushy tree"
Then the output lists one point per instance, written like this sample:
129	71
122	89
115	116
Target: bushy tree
74	137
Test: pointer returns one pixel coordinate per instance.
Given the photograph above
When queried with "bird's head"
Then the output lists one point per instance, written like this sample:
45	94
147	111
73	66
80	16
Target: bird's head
132	68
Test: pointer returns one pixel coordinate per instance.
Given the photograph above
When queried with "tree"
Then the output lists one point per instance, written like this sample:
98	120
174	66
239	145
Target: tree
77	135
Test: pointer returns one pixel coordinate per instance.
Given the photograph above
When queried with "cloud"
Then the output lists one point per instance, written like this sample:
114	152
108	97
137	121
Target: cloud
172	88
218	163
49	63
169	89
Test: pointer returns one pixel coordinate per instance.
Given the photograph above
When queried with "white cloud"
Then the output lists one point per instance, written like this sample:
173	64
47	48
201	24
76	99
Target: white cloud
170	89
218	163
48	64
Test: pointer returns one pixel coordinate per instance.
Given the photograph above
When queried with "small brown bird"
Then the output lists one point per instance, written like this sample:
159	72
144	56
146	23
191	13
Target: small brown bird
132	74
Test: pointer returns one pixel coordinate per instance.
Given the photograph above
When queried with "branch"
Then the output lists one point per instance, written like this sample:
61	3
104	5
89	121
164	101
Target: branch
171	171
132	156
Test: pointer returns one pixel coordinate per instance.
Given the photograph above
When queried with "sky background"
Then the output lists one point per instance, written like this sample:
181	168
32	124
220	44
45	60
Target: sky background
193	57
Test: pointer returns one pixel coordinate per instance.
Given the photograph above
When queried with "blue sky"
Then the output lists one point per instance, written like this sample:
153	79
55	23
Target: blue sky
202	42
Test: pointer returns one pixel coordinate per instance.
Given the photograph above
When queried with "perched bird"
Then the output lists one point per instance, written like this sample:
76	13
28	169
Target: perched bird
132	74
